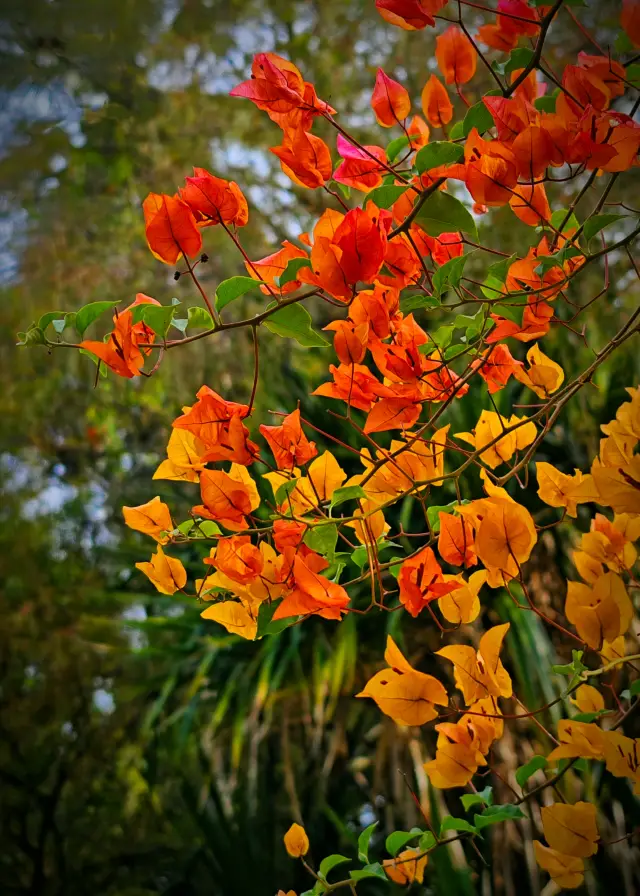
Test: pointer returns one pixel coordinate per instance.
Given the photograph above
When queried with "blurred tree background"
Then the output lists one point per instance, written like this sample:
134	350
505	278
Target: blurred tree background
141	750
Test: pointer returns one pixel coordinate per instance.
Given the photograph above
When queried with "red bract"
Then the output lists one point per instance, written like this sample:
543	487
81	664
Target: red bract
436	104
354	384
213	199
491	170
305	159
275	265
390	101
313	593
277	87
456	56
218	425
630	20
170	227
496	367
289	444
350	340
421	581
362	167
517	19
411	15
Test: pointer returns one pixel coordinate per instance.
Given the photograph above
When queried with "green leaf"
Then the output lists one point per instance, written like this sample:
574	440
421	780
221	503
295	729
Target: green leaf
471	324
209	528
88	313
291	271
52	317
158	317
360	555
530	768
294	322
546	103
449	823
396	146
518	58
449	274
399	839
557	219
442	337
623	43
385	196
597	223
266	625
374	870
346	493
457	131
438	153
33	336
342	188
482	797
185	528
426	842
478	117
589	716
442	213
231	289
418	302
180	323
633	74
199	318
511	312
322	539
546	262
495	814
493	286
363	842
283	491
330	862
576	667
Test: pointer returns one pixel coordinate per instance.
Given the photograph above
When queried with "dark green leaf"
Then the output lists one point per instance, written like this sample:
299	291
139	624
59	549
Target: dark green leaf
477	117
88	313
558	220
291	271
199	318
346	493
442	213
363	842
232	289
495	814
449	823
330	862
438	153
493	286
449	274
418	302
457	131
396	146
597	223
374	870
530	768
283	491
399	839
482	797
385	196
322	539
294	322
546	103
518	58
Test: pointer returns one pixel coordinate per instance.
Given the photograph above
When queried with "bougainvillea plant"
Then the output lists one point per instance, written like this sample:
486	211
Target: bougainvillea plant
390	248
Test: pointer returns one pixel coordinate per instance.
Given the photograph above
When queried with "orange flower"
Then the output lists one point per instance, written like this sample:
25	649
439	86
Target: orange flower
166	573
350	340
121	352
421	582
455	541
213	200
272	266
411	15
362	167
479	675
491	172
456	56
630	20
390	101
152	518
409	697
436	104
305	159
228	497
170	227
218	425
312	593
237	558
288	442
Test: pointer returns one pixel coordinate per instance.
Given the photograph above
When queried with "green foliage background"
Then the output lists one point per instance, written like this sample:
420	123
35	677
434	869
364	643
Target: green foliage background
143	751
